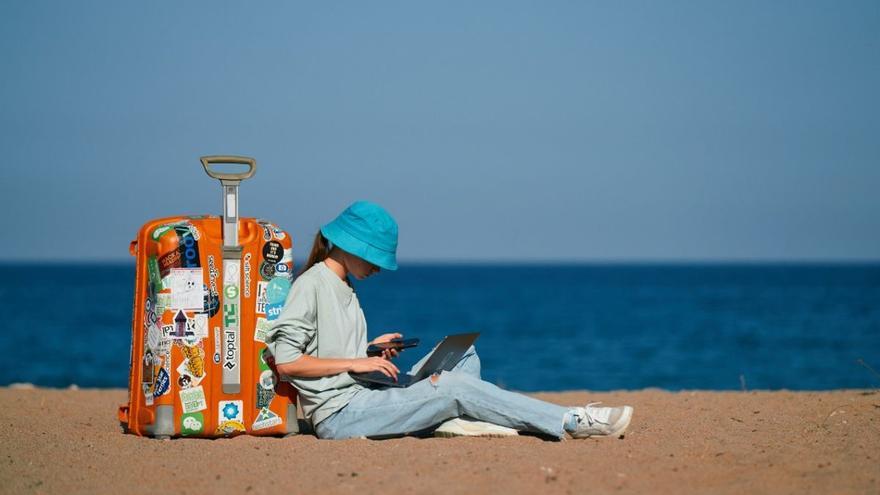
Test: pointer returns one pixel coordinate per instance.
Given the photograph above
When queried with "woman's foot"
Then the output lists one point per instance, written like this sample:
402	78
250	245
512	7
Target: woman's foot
469	427
595	421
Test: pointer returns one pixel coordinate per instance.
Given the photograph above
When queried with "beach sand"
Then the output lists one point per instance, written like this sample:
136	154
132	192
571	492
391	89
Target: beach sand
69	441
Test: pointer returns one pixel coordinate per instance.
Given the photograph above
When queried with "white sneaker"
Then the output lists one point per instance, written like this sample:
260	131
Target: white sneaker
469	427
596	421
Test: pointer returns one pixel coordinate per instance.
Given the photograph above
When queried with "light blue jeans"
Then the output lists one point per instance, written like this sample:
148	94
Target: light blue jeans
390	411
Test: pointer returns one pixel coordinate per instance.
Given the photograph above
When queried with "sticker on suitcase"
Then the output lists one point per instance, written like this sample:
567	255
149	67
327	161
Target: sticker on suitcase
192	370
262	301
192	423
261	329
193	399
266	419
187	288
230	417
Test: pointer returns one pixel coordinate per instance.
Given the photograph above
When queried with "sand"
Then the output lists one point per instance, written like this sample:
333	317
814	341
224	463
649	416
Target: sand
69	441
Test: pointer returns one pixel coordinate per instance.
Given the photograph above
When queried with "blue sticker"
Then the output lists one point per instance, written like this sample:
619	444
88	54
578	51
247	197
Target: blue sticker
162	381
282	268
276	291
273	311
230	410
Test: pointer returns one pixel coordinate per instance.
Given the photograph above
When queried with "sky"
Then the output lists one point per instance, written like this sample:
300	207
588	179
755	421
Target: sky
492	131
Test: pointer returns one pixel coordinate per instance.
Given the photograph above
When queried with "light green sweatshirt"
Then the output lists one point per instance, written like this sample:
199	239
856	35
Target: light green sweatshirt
321	318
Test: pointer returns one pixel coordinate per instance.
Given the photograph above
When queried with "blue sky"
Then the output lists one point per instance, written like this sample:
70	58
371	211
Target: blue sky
491	130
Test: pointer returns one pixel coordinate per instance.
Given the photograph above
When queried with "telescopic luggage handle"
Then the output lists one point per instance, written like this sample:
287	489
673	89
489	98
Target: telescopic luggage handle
231	265
207	161
230	182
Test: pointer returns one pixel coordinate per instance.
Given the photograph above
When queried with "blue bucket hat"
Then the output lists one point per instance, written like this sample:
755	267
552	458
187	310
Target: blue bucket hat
367	231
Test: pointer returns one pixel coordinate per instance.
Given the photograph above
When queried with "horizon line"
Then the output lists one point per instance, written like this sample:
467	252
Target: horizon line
515	261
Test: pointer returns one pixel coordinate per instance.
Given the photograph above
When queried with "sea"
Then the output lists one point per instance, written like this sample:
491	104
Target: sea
543	327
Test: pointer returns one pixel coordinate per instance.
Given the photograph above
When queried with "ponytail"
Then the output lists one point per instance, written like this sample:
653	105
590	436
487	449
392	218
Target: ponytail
320	251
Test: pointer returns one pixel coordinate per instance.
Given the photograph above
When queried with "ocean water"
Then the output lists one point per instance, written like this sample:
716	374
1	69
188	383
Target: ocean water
554	327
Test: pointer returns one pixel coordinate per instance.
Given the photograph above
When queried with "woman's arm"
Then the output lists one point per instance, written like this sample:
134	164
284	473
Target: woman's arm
311	367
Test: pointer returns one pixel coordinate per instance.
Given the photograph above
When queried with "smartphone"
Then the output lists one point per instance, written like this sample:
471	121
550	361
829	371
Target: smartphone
376	349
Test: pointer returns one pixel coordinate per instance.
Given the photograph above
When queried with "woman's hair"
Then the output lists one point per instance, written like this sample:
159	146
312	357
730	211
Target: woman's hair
320	252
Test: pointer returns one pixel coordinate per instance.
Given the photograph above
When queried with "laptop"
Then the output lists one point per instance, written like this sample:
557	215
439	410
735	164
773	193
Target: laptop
444	358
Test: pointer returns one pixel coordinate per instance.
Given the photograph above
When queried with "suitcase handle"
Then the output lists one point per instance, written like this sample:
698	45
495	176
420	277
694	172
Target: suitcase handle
207	161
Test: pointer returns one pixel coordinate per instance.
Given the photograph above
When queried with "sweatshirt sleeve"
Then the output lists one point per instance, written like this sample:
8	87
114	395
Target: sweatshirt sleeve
295	327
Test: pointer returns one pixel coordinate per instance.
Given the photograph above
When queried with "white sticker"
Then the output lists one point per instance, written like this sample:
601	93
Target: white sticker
153	336
200	329
288	256
187	289
216	345
186	378
262	301
266	419
193	399
231	273
230	410
262	328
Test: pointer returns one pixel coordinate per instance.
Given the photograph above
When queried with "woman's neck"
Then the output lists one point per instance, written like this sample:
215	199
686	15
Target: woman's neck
335	264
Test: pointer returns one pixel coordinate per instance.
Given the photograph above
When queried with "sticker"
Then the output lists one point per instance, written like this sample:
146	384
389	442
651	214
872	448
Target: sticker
230	339
168	261
267	270
261	360
261	298
155	277
282	269
180	320
247	275
230	291
264	397
154	335
273	251
266	419
148	395
192	424
279	234
267	380
160	231
213	274
261	329
216	345
273	311
277	289
195	231
288	256
163	302
231	274
194	364
162	382
150	363
267	233
188	245
230	416
193	399
200	326
187	289
211	302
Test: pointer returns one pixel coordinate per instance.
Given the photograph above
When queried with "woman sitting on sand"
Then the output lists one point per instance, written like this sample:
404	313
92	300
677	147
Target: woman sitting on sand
320	337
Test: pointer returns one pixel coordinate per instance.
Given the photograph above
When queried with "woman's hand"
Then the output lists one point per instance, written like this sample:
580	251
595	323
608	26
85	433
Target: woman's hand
382	365
387	337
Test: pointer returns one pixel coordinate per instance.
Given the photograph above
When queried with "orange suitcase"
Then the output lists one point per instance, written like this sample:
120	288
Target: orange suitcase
206	291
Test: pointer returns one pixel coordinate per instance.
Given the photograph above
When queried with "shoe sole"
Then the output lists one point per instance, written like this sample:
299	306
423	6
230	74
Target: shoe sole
450	434
622	423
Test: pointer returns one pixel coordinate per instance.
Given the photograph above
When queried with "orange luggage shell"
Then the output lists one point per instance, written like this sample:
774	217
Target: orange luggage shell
179	348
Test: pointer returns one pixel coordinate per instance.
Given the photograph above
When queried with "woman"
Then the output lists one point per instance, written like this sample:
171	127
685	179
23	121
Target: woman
321	336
